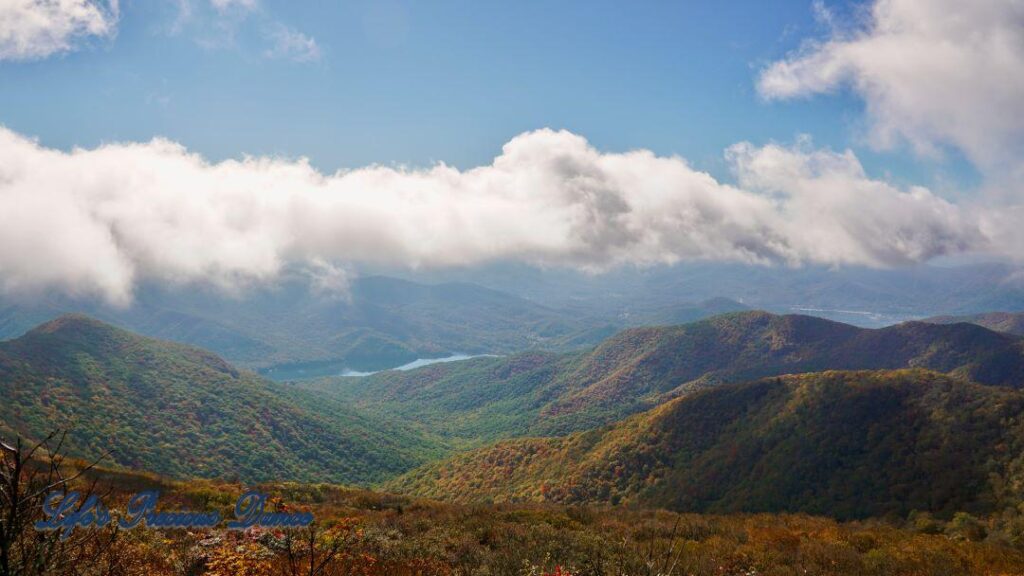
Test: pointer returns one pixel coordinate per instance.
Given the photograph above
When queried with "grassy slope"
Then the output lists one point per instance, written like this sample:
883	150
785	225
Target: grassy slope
183	411
847	444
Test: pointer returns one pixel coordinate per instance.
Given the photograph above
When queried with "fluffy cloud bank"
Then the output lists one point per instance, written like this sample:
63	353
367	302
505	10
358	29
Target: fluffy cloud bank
932	73
97	221
32	29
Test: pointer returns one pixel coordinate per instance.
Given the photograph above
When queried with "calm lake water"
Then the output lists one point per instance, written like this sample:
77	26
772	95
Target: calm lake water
321	369
418	363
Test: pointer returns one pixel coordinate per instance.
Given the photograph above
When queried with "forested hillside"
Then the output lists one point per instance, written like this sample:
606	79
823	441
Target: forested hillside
843	444
182	411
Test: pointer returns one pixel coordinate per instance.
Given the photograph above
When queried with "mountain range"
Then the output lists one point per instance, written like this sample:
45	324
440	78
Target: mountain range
541	393
867	297
304	326
297	330
745	411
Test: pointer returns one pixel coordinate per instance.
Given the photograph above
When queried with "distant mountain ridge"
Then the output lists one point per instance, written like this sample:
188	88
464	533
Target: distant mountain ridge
1009	322
377	323
845	444
539	393
863	296
295	331
183	411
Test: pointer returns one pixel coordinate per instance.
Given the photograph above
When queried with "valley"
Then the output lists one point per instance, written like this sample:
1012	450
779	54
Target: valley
544	393
295	330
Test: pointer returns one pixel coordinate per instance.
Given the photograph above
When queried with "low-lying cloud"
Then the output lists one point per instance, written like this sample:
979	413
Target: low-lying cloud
98	221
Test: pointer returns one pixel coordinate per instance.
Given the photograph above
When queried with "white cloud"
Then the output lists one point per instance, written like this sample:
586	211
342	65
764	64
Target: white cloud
224	6
291	44
97	221
33	29
230	16
933	73
834	213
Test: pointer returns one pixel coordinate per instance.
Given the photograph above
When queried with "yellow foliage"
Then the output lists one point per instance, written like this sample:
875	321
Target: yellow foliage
239	559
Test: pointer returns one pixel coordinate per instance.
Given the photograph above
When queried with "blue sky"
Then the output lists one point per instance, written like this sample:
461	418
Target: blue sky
164	140
416	83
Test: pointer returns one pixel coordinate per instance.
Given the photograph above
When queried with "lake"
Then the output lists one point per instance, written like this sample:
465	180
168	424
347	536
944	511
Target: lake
418	363
310	370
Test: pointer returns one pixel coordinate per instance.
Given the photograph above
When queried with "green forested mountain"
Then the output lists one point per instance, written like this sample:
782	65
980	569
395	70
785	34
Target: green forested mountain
1009	322
182	411
845	444
538	393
